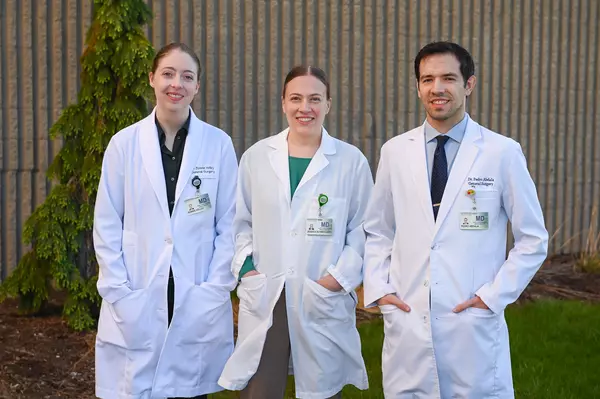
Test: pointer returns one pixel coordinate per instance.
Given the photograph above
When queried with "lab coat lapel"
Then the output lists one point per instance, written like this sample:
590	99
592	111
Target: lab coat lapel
418	167
279	162
319	161
151	158
467	153
192	151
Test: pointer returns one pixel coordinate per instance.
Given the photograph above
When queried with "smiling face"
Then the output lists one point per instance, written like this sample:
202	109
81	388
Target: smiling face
443	91
305	104
175	81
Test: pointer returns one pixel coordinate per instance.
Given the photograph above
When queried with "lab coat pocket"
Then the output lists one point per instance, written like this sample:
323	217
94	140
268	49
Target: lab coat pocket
320	303
477	312
131	317
203	315
252	294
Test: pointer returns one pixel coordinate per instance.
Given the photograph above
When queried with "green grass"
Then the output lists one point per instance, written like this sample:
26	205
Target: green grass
555	349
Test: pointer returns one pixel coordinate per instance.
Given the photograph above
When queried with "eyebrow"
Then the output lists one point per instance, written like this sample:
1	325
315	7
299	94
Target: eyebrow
314	94
451	74
173	69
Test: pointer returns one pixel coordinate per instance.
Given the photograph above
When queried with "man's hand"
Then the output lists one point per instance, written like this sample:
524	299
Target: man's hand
251	273
392	299
475	302
330	283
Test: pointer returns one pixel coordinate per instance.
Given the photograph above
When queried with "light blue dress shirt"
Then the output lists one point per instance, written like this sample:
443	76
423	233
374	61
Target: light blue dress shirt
456	135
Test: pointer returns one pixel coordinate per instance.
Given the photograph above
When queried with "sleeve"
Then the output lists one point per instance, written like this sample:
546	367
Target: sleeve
348	271
242	224
380	229
219	275
523	209
112	282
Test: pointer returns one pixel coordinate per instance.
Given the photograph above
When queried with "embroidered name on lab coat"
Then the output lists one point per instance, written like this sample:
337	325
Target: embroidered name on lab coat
481	182
205	172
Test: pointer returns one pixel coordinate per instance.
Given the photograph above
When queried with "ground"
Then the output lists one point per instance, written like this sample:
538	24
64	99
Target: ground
41	358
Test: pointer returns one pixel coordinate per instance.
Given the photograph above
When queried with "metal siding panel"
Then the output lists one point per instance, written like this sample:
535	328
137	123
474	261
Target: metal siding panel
537	63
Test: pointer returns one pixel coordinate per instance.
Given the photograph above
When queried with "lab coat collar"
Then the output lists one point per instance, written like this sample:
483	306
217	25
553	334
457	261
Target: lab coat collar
465	157
151	157
279	159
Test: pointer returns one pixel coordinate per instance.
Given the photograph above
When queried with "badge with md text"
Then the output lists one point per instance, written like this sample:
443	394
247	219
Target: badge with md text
200	202
474	220
320	226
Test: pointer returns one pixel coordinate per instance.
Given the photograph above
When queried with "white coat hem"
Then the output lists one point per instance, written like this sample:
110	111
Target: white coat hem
330	392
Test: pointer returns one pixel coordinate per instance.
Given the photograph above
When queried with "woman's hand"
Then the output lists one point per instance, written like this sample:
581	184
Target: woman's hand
330	283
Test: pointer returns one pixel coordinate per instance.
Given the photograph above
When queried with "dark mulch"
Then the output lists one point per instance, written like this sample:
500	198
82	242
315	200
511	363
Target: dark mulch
41	358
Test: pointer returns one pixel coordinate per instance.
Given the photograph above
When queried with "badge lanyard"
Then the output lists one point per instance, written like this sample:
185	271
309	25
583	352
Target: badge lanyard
322	199
196	182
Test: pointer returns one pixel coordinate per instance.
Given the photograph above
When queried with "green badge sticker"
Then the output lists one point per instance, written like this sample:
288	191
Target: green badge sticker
323	199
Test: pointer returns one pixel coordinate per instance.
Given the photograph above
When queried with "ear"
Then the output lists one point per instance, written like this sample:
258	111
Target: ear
328	106
151	79
282	105
197	87
470	85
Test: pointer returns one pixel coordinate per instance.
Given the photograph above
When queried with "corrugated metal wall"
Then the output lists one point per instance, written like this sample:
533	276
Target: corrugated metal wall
537	61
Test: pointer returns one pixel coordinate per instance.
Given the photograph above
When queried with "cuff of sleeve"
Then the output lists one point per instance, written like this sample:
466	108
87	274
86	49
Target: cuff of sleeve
113	294
487	296
247	266
372	297
239	260
340	278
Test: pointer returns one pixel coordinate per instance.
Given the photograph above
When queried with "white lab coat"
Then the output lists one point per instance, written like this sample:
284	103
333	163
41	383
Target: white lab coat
270	225
432	352
136	241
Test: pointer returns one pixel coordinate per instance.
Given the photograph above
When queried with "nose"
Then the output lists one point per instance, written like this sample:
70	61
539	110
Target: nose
304	106
177	83
438	86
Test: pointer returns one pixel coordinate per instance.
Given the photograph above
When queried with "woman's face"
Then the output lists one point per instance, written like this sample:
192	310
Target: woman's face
305	104
175	81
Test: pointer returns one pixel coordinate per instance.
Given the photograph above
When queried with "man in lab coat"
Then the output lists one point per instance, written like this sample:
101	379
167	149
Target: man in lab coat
435	259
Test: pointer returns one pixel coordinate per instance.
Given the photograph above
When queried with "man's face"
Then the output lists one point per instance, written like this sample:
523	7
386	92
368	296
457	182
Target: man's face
442	89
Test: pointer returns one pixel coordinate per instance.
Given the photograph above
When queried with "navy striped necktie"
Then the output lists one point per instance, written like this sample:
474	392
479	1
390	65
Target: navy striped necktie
439	174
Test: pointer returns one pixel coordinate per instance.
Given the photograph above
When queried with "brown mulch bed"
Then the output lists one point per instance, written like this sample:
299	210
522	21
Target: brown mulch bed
41	358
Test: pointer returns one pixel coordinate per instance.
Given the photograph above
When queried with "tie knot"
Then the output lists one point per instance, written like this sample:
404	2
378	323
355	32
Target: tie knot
441	140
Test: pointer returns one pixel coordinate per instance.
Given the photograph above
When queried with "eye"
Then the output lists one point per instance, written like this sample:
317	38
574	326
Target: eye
426	80
167	74
315	99
450	79
294	98
189	78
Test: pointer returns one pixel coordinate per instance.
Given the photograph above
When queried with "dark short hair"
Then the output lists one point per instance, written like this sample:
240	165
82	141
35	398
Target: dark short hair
306	70
163	52
467	65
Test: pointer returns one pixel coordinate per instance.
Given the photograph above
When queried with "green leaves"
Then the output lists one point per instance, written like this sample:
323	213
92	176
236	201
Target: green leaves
114	94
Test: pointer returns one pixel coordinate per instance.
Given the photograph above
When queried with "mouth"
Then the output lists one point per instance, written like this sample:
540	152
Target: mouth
175	96
305	120
440	101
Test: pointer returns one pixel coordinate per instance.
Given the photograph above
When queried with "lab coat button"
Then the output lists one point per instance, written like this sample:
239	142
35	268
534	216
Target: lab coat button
434	246
426	283
294	234
291	271
168	240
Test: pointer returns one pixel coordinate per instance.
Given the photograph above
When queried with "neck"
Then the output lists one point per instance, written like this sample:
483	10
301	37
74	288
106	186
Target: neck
444	126
303	145
171	121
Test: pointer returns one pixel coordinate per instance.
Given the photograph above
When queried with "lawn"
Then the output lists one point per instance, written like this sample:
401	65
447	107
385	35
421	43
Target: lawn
555	352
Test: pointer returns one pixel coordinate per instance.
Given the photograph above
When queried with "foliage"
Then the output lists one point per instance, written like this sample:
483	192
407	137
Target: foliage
114	93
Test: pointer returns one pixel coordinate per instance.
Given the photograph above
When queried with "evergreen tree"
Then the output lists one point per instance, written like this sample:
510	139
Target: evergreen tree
114	93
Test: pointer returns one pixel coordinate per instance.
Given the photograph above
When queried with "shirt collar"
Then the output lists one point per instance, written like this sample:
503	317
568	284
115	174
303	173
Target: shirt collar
456	133
183	130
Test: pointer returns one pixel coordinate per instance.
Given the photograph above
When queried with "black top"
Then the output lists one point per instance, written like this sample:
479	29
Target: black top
171	160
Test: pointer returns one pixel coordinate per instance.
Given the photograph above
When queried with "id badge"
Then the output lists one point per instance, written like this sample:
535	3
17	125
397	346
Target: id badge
319	227
474	221
197	204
